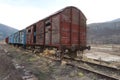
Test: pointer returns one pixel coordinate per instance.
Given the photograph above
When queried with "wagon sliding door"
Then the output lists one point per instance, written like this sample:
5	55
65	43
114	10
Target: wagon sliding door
40	33
47	32
55	30
29	35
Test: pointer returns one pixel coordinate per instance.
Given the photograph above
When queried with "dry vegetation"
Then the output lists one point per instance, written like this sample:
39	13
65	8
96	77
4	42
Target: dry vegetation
43	68
7	69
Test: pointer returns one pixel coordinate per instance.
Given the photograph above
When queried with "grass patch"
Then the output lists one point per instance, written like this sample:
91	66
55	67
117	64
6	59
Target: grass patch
41	75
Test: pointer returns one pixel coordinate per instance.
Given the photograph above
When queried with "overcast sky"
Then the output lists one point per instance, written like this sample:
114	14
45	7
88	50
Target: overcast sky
21	13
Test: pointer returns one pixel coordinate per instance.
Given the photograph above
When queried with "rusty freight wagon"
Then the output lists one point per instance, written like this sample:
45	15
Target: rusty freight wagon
64	30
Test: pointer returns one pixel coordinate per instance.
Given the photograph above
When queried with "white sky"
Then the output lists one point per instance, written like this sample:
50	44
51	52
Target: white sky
22	13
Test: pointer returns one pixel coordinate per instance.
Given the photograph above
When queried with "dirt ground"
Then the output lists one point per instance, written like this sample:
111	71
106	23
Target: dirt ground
7	69
109	53
110	49
34	67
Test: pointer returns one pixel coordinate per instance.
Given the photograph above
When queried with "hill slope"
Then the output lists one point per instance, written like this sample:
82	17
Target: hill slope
106	33
6	31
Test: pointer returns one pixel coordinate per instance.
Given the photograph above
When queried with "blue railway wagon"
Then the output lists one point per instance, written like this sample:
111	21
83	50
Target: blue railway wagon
11	39
22	37
16	38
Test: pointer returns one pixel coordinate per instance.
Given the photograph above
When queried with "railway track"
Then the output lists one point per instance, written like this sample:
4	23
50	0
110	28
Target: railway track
92	63
106	72
111	73
94	71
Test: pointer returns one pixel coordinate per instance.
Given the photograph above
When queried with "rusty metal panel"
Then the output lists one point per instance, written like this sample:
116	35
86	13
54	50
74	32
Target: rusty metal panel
74	38
40	33
83	36
47	31
82	30
65	27
47	35
75	16
56	29
29	35
75	27
66	15
32	35
65	39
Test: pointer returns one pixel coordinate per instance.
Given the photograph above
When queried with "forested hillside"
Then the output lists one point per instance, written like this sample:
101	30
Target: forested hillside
105	33
6	31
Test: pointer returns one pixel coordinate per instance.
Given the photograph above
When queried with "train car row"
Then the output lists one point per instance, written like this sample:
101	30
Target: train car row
18	38
64	30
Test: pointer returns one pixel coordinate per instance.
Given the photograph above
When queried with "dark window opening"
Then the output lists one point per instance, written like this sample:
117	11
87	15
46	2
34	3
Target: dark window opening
34	27
29	30
48	24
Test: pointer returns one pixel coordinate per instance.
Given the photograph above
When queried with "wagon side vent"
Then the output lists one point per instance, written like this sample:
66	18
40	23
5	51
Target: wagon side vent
29	30
47	24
